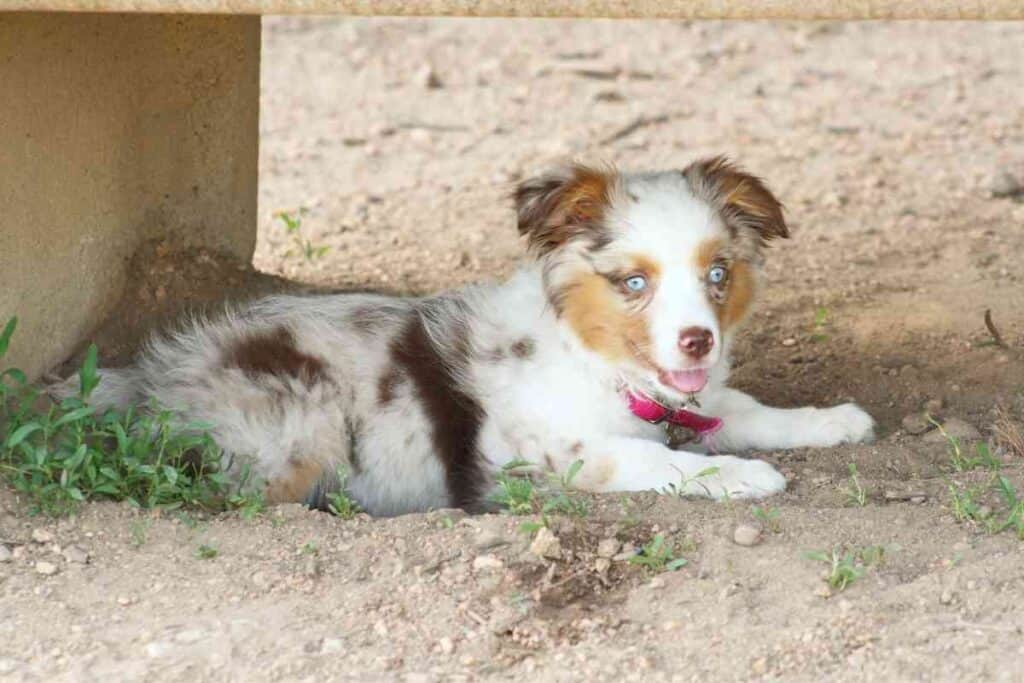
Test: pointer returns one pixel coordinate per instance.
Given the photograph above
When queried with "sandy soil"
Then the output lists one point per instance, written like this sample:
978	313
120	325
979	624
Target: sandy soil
896	148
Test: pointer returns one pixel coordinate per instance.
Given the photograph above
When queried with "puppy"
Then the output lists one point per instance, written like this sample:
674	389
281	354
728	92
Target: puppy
620	325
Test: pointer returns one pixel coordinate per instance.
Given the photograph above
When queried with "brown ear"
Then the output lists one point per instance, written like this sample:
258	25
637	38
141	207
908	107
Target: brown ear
565	204
743	200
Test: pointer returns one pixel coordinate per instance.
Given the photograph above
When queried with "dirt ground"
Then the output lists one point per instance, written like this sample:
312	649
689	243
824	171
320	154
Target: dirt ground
898	150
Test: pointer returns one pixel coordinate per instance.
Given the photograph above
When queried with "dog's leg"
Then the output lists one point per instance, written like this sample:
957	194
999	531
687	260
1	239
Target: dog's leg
746	423
628	464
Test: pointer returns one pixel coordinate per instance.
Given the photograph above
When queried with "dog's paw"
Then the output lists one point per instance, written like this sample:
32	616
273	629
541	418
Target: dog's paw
741	478
846	423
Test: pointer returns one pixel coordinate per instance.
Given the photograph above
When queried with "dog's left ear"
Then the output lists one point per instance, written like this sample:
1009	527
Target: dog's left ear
743	199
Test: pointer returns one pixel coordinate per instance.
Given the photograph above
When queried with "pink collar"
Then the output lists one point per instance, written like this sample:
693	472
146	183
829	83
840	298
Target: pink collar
648	409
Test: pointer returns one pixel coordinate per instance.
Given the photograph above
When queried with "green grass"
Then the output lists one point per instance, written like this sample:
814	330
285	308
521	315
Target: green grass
659	555
768	517
821	323
519	494
339	503
856	494
845	568
962	462
293	228
61	454
206	552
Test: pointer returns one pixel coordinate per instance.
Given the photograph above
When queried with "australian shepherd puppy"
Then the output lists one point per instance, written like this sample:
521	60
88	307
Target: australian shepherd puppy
620	326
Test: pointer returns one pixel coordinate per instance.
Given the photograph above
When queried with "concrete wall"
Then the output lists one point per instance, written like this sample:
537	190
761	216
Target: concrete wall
115	129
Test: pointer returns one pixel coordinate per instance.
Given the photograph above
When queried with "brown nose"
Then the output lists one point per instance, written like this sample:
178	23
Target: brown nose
696	342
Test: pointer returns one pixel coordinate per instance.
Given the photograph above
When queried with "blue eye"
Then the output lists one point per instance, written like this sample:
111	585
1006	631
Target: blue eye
716	275
636	283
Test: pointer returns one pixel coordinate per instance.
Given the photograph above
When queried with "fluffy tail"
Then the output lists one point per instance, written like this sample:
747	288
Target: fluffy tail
118	388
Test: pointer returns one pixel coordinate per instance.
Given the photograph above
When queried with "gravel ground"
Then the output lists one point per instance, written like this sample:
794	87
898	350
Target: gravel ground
898	150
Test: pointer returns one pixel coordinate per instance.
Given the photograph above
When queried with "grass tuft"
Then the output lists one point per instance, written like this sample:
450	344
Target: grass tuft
659	555
61	454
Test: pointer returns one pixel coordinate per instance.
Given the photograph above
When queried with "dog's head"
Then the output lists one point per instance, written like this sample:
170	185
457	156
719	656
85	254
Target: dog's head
651	271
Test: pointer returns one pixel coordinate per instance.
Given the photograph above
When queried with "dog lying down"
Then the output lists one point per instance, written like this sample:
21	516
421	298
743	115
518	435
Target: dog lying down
619	326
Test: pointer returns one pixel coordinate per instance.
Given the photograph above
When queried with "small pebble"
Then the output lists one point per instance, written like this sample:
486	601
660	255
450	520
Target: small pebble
746	535
5	553
545	544
946	597
916	424
446	645
331	645
608	548
425	77
1004	184
487	562
789	341
46	568
42	536
75	554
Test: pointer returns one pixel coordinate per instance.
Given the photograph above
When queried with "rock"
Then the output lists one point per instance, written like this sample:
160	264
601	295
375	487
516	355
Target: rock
46	568
545	544
446	645
608	548
602	565
5	553
42	536
916	424
489	539
947	597
158	648
956	428
789	341
75	554
8	666
746	535
331	645
1005	184
933	407
487	563
426	78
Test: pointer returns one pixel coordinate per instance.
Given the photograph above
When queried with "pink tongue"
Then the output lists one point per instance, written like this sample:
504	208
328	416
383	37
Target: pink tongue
686	381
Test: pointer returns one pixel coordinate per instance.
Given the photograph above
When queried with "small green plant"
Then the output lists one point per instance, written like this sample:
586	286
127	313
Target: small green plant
821	322
59	454
682	489
1015	516
658	555
309	548
293	228
960	461
518	494
963	504
206	552
138	529
856	494
843	569
339	503
768	517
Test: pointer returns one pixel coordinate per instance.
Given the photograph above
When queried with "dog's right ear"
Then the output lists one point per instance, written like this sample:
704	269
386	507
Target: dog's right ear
567	204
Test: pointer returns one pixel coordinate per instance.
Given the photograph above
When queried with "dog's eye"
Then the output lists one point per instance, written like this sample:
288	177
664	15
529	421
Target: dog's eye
635	283
717	275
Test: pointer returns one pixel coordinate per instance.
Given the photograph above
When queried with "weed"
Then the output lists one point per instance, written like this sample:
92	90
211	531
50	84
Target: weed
1008	435
856	494
964	506
821	323
844	568
960	461
60	454
682	488
309	548
658	555
518	494
1015	516
768	517
139	529
339	503
293	228
206	552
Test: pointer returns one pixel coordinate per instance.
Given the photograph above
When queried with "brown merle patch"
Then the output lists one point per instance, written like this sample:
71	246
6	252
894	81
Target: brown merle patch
273	352
455	415
387	385
524	348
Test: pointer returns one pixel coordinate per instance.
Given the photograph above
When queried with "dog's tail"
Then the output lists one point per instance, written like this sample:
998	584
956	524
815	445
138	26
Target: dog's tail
118	388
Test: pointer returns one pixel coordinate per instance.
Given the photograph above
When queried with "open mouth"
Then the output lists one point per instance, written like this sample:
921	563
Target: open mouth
684	381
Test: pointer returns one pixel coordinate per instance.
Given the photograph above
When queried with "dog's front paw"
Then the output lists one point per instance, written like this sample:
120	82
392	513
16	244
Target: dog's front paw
741	478
846	423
